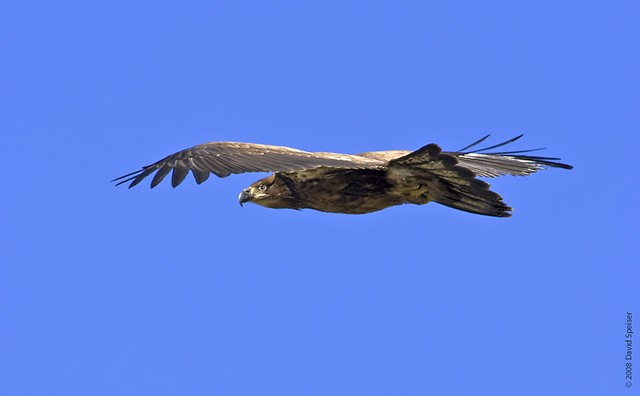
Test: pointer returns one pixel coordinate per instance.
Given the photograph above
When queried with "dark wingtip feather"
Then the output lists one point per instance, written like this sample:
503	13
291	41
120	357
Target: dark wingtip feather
136	176
543	161
482	139
161	174
141	176
179	173
495	145
127	175
519	151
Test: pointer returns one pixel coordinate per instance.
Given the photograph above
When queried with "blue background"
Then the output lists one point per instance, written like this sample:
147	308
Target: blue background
109	291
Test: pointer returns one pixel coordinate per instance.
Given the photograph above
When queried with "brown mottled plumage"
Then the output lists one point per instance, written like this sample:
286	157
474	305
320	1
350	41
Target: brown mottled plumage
354	184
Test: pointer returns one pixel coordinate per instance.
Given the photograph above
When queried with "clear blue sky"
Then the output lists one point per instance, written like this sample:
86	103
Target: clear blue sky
109	291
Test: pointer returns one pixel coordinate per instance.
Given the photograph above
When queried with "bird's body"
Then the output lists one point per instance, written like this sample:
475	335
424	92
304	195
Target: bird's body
353	184
329	190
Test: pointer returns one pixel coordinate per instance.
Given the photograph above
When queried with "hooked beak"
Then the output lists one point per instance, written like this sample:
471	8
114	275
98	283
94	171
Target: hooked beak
245	196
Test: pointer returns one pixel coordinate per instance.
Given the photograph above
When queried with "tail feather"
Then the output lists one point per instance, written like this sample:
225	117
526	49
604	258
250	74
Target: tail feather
470	195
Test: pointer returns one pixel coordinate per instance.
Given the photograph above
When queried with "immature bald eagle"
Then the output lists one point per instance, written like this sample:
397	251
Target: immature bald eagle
355	184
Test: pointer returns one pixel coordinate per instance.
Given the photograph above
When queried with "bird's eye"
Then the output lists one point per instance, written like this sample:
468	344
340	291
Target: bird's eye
262	187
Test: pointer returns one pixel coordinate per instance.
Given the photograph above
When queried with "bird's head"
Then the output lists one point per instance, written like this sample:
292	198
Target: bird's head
271	192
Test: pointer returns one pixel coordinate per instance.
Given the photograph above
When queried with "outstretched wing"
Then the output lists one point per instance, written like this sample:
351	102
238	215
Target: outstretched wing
225	158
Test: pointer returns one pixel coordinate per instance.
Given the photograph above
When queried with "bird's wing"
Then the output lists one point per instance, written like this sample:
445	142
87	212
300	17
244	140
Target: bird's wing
447	182
487	164
451	180
502	163
225	158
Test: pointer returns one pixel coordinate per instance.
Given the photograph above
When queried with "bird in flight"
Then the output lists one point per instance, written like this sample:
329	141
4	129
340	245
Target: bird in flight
354	183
